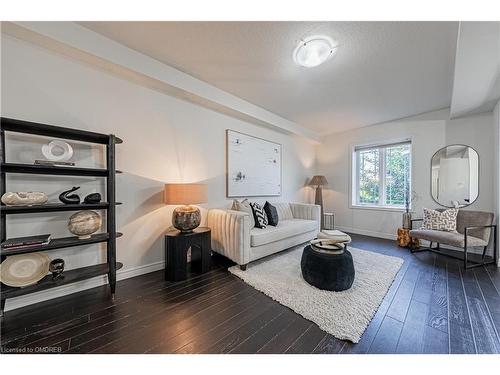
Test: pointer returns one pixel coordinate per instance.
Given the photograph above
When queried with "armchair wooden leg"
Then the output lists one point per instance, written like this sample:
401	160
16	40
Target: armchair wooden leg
243	267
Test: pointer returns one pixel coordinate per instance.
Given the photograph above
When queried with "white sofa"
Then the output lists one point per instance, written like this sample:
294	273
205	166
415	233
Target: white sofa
233	237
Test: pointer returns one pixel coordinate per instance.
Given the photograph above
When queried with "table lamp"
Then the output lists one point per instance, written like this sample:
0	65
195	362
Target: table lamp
186	217
319	181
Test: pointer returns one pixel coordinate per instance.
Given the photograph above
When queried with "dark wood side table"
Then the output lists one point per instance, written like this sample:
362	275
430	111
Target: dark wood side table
176	249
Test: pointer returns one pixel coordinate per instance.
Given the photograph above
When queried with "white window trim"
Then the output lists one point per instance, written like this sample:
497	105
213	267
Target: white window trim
353	168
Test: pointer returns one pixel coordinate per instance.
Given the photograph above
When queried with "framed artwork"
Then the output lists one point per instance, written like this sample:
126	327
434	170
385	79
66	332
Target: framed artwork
253	166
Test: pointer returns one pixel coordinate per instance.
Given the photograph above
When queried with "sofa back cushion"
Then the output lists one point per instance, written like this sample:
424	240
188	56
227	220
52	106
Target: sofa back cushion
436	220
468	218
284	211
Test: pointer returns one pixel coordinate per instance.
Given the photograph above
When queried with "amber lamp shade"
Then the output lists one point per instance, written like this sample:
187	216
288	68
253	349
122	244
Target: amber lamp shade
185	218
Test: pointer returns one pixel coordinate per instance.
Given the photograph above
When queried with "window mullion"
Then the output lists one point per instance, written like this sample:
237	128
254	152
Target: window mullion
382	176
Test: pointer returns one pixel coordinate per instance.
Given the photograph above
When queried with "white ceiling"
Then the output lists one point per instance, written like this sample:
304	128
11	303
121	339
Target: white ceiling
382	71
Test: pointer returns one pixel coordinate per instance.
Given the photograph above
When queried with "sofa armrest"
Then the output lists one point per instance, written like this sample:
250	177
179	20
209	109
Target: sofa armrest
306	211
230	234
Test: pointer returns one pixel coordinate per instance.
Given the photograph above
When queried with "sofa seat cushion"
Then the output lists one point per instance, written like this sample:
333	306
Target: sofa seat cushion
449	238
284	229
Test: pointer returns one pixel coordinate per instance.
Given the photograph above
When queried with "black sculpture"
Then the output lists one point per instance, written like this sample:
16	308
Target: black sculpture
68	198
57	268
92	198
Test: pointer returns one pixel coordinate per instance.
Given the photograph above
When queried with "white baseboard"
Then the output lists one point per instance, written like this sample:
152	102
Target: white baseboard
391	236
388	236
14	303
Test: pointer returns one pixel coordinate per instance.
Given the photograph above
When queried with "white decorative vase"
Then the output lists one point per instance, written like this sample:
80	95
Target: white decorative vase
24	198
84	223
57	150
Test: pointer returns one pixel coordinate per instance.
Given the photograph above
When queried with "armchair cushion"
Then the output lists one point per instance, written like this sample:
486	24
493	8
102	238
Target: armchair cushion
449	238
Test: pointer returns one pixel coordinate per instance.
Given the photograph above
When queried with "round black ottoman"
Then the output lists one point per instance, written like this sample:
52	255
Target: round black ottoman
328	271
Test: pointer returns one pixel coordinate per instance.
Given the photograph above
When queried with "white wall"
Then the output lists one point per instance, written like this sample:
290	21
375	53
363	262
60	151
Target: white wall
496	173
429	132
165	140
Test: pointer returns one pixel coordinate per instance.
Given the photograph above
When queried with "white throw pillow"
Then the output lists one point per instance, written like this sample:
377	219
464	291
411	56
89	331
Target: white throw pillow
445	221
244	206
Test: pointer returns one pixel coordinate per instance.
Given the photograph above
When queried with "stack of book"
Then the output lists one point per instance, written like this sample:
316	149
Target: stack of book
54	163
26	242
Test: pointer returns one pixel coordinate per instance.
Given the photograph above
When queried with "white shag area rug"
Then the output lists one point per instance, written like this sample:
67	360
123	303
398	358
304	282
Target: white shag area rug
344	314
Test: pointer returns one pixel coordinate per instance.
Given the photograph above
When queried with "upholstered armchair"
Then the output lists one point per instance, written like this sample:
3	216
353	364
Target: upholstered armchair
474	229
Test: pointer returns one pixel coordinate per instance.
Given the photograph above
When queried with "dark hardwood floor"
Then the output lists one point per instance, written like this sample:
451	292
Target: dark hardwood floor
433	306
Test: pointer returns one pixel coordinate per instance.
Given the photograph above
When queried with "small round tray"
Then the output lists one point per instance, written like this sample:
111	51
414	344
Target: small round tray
327	246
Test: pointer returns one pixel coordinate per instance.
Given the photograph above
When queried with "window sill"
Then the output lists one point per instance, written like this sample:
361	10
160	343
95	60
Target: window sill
377	208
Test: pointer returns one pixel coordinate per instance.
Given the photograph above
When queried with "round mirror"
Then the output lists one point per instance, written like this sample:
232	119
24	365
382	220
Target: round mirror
455	176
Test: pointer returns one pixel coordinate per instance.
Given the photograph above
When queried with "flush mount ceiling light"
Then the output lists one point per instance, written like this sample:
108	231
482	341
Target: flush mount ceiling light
314	51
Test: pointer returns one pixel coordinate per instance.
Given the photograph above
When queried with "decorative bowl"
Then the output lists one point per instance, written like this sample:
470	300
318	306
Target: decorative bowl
84	223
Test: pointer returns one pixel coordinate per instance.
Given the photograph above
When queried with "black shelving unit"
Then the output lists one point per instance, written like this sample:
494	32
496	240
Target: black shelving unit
111	266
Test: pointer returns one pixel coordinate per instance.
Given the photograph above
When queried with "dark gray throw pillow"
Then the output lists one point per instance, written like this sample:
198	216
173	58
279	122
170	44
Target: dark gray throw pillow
272	214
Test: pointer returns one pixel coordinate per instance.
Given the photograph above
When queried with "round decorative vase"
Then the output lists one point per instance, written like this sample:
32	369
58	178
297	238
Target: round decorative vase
84	223
24	198
186	218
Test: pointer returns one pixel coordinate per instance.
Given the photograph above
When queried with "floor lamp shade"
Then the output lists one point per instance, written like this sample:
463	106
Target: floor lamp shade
186	217
319	181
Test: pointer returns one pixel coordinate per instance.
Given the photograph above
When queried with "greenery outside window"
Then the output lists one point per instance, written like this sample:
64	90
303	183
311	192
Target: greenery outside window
381	175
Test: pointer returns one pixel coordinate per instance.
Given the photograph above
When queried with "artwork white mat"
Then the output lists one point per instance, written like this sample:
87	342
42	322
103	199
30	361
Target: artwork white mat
253	166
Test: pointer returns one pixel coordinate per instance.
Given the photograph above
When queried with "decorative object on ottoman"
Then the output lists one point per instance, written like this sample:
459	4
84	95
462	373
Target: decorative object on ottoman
84	223
92	198
57	150
405	240
328	221
56	266
330	246
23	198
24	269
337	235
327	270
318	182
271	213
67	198
185	218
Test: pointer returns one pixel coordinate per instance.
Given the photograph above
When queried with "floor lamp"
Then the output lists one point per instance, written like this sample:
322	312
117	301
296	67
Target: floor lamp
319	182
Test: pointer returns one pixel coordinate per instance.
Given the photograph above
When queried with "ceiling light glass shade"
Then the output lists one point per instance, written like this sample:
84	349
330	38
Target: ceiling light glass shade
314	51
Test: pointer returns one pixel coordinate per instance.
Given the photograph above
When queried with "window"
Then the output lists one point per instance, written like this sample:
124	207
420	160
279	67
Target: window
381	175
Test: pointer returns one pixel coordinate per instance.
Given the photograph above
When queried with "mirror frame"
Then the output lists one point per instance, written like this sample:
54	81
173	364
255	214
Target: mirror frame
478	174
